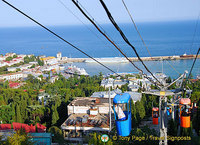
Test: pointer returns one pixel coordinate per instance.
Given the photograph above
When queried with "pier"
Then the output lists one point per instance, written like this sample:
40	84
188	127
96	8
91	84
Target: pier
155	58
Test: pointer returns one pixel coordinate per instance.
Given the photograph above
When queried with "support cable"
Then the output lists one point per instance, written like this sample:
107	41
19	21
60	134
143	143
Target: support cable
93	19
126	40
193	63
77	5
68	9
136	28
141	35
58	36
189	75
195	29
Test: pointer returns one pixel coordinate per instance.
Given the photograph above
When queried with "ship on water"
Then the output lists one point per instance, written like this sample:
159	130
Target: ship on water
108	60
72	69
187	56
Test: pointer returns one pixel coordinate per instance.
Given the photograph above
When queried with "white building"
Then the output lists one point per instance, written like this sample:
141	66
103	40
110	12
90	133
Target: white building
59	56
13	76
25	66
105	94
86	115
10	54
11	68
110	82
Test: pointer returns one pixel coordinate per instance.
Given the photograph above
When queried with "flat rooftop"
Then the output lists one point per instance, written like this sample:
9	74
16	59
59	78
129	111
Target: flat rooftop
84	121
91	101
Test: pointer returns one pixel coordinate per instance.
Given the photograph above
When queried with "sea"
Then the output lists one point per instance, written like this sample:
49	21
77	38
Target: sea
162	39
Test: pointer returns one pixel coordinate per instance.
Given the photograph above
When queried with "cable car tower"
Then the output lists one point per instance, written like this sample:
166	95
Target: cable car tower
163	92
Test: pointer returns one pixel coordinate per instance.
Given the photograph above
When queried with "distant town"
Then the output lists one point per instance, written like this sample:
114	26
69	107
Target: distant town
55	103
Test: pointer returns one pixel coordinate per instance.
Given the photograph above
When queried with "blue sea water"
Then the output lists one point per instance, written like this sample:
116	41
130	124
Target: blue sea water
162	39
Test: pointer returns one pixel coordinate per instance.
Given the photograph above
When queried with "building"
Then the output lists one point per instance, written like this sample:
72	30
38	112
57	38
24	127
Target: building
110	82
59	56
135	96
86	115
133	88
107	83
53	79
14	85
11	68
49	60
105	94
41	138
10	54
13	76
37	138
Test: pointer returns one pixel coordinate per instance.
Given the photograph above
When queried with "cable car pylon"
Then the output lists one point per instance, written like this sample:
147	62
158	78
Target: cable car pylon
163	92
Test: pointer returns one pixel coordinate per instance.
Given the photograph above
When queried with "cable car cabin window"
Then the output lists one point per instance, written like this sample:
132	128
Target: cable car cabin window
185	112
155	114
121	111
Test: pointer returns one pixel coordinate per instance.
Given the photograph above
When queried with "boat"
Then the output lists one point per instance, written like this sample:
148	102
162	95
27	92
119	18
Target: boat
108	60
72	69
186	55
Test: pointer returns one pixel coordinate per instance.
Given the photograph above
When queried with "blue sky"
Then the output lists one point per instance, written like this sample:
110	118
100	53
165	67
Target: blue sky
52	12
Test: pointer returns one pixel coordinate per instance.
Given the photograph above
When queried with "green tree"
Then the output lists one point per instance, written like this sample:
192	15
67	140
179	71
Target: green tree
58	136
40	62
19	138
15	56
18	69
9	58
55	115
18	114
133	113
6	114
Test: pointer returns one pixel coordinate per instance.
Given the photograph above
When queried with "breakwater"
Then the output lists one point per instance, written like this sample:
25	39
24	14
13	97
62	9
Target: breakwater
155	58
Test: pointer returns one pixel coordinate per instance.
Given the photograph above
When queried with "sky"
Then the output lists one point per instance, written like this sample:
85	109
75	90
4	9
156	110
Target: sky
53	13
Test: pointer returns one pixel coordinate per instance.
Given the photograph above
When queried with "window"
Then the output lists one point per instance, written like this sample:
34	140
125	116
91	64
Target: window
121	111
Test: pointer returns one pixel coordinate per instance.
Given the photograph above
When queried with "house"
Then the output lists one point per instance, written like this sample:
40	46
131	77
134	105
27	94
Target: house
10	54
13	76
110	82
53	79
105	94
12	68
87	115
14	85
135	96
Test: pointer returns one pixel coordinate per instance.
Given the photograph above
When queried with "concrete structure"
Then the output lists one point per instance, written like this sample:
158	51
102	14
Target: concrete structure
86	115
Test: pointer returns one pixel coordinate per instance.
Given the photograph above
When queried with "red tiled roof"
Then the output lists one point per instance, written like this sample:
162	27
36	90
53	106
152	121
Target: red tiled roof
13	85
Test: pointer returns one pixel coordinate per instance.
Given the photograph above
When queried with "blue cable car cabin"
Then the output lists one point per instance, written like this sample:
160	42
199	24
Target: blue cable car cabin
122	112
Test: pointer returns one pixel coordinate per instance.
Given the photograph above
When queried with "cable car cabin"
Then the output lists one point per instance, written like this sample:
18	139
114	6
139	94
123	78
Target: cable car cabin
169	111
184	105
155	115
122	112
